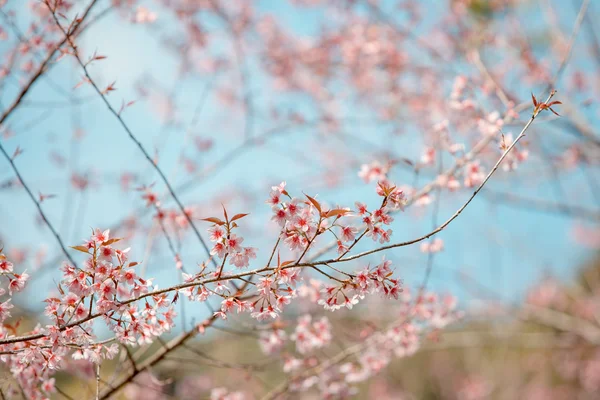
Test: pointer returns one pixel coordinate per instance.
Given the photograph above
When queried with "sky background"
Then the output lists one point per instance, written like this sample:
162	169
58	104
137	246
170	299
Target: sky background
503	248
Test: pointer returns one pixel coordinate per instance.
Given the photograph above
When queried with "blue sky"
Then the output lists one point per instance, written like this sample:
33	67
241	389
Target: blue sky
504	248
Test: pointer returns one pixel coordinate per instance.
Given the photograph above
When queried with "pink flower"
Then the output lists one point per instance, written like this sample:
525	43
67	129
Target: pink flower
106	288
280	216
302	222
348	233
361	208
107	253
219	250
101	236
5	266
264	314
385	236
233	243
428	156
18	283
216	233
292	208
294	241
48	386
4	310
341	249
240	260
373	172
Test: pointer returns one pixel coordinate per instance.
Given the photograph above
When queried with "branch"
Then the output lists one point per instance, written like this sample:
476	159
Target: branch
38	206
131	135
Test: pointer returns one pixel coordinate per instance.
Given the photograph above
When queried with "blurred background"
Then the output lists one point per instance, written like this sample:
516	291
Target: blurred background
233	97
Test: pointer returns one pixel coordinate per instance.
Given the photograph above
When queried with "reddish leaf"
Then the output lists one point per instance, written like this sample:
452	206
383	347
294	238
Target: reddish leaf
83	249
314	202
52	299
214	220
336	212
238	216
111	241
225	213
535	103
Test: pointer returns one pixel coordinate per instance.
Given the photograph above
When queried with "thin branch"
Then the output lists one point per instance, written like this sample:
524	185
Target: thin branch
43	66
37	204
131	135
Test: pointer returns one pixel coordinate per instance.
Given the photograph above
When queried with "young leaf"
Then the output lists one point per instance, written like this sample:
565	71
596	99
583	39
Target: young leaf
238	216
283	264
83	249
314	202
111	241
214	220
336	212
535	103
225	213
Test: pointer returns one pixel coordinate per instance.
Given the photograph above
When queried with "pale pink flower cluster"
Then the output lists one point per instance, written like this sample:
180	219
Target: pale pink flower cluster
490	125
298	220
458	100
272	341
434	246
373	172
228	245
224	394
310	336
474	174
105	285
369	280
371	355
143	16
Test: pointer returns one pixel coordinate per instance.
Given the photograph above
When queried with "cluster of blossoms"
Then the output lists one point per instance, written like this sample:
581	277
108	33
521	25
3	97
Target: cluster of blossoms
393	199
16	282
434	246
228	245
107	287
458	100
377	279
577	364
491	124
112	285
273	291
175	219
373	172
27	378
309	368
302	221
310	336
474	174
402	339
441	133
223	394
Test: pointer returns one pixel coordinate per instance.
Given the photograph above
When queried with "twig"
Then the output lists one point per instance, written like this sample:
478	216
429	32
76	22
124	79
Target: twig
131	135
38	206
